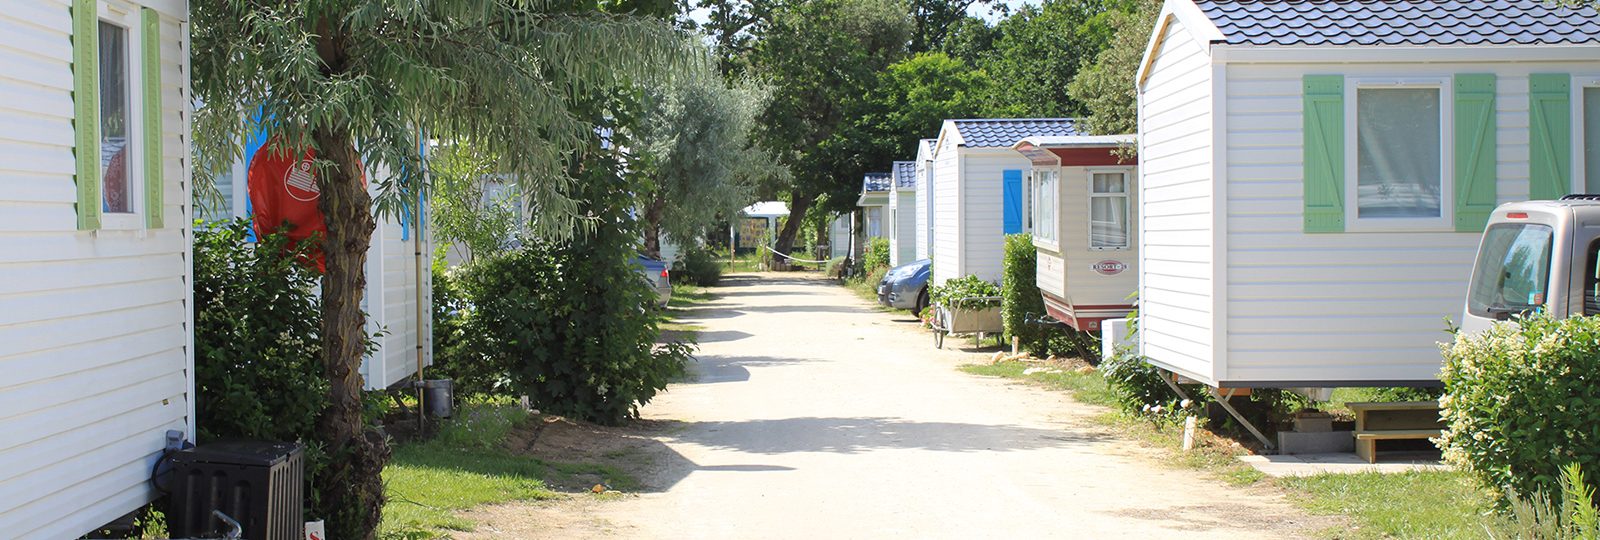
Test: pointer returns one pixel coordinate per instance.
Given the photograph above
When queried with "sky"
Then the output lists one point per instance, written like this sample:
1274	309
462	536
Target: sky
982	11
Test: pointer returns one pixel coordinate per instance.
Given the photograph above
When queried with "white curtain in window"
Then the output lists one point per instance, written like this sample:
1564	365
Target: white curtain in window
1108	211
1398	152
1044	205
1591	139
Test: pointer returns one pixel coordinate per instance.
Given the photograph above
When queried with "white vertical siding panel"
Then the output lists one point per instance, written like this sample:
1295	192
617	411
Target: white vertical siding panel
982	223
905	227
96	333
1175	207
947	214
921	200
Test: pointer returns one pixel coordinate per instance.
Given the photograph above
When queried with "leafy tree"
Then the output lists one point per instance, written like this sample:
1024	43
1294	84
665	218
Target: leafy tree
935	19
909	102
471	206
1040	49
1106	88
358	81
693	142
820	56
734	27
970	40
563	319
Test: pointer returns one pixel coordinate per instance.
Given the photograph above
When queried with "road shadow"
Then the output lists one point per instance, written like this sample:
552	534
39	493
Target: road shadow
859	434
572	457
720	336
722	369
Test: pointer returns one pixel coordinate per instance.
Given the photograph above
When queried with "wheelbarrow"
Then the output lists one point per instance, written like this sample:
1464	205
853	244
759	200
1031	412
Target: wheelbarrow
976	315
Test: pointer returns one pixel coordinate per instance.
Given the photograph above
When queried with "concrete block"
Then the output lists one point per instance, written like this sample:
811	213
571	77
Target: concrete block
1327	442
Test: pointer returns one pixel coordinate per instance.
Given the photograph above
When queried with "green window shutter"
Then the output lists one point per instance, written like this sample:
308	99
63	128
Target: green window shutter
86	110
1475	151
150	49
1324	153
1550	141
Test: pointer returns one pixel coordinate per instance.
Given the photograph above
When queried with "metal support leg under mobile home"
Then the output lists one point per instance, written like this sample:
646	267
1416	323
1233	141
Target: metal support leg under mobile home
1223	401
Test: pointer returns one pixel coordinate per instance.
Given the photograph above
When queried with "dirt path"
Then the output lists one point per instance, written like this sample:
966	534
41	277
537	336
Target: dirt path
817	416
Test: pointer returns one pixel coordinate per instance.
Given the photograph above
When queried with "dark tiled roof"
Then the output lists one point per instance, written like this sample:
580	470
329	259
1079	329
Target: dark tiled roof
875	181
905	174
1003	133
1401	22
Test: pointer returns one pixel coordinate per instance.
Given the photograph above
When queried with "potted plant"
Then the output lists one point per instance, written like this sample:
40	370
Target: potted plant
967	305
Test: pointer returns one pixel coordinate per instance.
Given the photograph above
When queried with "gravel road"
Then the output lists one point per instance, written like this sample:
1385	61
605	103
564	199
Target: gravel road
816	415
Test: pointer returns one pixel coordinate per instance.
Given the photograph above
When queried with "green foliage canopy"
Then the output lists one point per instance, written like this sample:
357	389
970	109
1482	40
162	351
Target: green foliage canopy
1106	87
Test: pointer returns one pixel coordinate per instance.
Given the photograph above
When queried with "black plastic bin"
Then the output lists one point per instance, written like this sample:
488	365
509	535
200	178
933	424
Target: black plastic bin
258	484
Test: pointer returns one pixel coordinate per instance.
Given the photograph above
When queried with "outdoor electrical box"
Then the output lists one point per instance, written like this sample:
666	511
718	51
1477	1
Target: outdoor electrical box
261	485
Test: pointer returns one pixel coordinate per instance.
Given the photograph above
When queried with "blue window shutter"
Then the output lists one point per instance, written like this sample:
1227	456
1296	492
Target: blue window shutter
1012	201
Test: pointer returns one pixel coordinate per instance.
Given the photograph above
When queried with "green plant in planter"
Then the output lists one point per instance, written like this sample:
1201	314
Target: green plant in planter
967	292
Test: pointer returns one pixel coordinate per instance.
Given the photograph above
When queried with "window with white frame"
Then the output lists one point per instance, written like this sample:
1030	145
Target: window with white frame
1399	152
1044	190
1108	210
116	129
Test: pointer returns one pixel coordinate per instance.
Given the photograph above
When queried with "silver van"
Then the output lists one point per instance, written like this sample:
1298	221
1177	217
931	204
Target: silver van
1536	256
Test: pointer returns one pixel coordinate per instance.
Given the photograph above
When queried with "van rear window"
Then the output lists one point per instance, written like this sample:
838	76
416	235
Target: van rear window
1512	275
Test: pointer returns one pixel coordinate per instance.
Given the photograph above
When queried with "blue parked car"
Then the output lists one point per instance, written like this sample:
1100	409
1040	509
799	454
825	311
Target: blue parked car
906	286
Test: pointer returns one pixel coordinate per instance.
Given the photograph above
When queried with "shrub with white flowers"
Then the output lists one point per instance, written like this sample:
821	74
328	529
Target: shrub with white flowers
1522	400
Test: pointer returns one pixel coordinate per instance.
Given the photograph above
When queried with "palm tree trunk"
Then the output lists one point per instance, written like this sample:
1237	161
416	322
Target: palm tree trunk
351	487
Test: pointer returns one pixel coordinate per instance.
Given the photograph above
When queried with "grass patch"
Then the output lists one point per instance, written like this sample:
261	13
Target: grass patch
684	298
464	466
1424	504
1212	453
1085	387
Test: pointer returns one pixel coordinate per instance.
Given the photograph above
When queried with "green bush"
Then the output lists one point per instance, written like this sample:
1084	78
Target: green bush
876	256
963	292
258	346
257	337
571	322
1020	290
698	266
836	268
1522	399
453	359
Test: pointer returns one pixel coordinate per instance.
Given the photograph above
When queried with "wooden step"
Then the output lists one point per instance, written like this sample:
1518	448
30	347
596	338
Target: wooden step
1398	434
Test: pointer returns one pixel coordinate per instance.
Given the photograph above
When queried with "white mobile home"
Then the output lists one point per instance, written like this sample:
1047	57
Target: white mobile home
874	203
1314	176
397	272
1082	197
924	199
902	217
977	194
96	336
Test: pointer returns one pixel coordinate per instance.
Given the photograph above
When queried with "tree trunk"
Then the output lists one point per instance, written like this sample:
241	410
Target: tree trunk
652	225
351	487
799	204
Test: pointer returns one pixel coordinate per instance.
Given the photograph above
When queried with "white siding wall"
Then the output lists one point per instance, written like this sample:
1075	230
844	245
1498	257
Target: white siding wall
392	305
924	199
1343	306
839	236
94	332
946	215
1078	283
1050	271
982	194
1175	186
903	243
